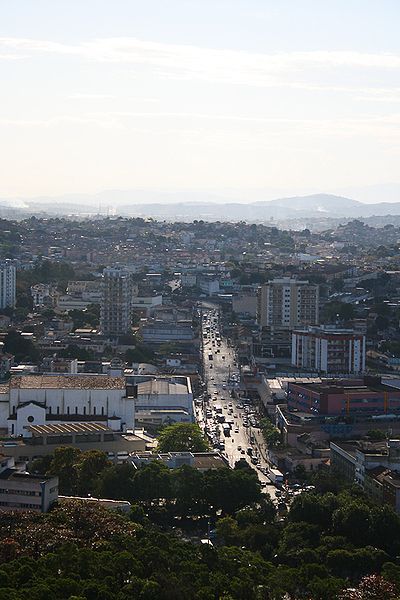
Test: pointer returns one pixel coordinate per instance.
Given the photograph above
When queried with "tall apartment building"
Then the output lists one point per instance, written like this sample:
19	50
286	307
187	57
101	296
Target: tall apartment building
289	303
7	284
116	304
328	350
283	305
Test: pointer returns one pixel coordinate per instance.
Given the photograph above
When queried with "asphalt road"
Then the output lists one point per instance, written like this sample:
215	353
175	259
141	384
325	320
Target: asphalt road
219	373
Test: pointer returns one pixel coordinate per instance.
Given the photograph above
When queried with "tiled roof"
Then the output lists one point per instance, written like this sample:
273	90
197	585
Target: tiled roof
84	382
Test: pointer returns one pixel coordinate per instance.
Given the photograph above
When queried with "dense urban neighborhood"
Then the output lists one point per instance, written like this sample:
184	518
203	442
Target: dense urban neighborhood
232	390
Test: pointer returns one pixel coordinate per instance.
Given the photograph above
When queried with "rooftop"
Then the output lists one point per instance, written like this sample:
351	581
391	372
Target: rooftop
161	386
14	474
345	386
67	428
59	381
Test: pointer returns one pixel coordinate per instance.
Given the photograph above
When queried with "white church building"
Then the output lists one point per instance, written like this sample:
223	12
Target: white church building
51	399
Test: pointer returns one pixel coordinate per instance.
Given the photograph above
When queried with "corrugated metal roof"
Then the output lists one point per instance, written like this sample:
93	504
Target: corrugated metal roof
67	428
161	386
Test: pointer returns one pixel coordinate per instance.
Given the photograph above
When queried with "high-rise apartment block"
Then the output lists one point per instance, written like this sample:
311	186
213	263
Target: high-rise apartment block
116	305
7	285
288	303
283	305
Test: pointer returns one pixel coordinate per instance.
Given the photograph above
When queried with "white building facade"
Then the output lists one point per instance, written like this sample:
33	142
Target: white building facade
41	399
328	350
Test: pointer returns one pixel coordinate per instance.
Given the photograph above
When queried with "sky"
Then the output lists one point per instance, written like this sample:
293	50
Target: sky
258	97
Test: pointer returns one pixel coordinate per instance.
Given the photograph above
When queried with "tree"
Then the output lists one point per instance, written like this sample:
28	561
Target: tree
90	465
152	482
117	482
371	587
23	348
353	520
228	531
271	434
186	485
64	467
182	437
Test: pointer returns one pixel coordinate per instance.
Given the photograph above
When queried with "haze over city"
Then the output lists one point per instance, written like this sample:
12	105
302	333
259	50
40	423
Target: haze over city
245	100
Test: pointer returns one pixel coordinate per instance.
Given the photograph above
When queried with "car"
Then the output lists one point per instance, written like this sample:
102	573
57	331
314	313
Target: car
225	407
212	378
239	448
237	430
242	452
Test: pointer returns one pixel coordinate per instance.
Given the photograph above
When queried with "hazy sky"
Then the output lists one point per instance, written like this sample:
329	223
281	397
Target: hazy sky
292	95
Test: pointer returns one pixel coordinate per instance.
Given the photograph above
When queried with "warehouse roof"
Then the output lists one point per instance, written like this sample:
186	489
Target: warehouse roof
161	386
85	382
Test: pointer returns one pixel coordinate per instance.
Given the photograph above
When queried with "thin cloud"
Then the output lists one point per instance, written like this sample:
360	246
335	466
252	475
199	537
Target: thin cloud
215	65
387	127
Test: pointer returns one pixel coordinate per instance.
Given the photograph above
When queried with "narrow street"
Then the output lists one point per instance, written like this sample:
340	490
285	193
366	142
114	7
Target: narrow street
227	419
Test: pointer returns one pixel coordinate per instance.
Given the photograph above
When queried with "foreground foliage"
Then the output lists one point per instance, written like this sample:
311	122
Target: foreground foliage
84	552
333	544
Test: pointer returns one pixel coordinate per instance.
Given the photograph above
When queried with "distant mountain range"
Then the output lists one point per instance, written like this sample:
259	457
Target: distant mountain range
212	208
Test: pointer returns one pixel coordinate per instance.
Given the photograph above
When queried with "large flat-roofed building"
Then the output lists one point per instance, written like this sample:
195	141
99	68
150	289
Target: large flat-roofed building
21	491
53	399
202	461
41	440
328	350
162	399
344	397
158	332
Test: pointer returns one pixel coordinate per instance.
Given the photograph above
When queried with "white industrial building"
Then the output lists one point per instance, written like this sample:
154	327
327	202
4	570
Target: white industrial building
162	399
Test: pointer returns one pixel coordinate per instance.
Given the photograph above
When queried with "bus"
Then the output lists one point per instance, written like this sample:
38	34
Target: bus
275	476
226	428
